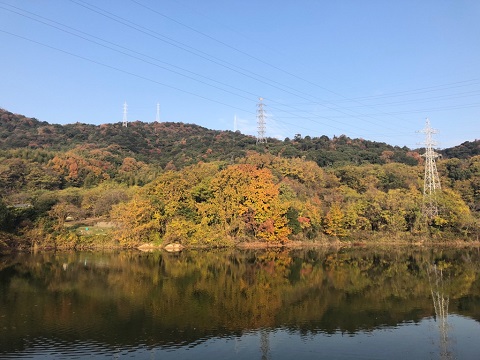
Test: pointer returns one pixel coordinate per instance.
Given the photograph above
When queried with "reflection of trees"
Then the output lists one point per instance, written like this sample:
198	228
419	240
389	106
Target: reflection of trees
170	299
441	300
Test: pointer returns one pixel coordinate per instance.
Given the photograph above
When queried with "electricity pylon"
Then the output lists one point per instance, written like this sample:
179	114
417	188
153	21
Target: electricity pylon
261	139
125	121
431	181
157	117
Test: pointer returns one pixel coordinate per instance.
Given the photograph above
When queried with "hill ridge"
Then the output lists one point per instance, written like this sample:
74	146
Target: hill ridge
187	143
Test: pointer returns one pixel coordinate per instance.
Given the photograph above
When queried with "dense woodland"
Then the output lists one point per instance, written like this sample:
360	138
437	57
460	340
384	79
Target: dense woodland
175	182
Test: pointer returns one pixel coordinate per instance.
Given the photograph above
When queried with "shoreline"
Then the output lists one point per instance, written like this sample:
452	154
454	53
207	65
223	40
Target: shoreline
13	244
292	245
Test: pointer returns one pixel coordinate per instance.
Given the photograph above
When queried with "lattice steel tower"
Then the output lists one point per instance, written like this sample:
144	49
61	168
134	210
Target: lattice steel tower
157	118
125	121
431	182
261	139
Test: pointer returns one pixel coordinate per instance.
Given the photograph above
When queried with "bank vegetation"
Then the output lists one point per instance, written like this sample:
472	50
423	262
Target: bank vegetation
214	189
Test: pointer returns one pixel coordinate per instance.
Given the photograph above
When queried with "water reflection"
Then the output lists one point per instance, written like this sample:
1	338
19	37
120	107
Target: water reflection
265	344
441	300
185	305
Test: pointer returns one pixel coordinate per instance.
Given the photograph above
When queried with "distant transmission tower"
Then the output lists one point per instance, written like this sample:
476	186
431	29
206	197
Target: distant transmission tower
125	121
261	123
157	118
431	182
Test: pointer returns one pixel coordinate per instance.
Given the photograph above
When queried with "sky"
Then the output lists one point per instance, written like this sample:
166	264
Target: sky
370	69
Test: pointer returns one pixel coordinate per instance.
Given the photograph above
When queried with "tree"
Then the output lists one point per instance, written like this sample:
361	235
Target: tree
334	221
139	221
401	210
61	211
246	201
99	200
4	215
454	214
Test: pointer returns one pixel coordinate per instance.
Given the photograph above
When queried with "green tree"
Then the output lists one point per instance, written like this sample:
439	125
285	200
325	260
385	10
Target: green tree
4	216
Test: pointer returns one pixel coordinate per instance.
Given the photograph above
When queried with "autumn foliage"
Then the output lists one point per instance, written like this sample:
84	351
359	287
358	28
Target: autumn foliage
272	199
204	204
174	182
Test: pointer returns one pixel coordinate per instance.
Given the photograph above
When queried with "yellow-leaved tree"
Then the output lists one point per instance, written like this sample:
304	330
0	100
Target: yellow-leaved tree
138	220
334	223
246	203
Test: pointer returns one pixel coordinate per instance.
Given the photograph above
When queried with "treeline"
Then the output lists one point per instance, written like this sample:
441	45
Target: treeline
166	182
273	199
262	197
49	156
463	151
180	145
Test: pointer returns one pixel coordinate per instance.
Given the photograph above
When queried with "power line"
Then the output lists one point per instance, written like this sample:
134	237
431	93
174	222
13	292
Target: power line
122	22
143	60
439	97
266	63
185	47
140	76
209	57
124	71
439	87
423	90
314	116
130	55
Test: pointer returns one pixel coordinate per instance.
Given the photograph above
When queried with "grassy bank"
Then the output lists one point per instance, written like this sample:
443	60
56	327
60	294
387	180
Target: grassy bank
100	236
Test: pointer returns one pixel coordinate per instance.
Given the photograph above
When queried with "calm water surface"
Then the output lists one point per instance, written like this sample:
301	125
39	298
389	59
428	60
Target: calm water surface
350	304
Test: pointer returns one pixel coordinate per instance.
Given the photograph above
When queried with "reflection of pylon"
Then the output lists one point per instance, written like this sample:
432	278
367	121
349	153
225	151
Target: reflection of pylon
265	344
440	303
431	182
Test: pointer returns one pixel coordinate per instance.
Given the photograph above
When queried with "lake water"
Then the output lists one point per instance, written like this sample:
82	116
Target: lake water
262	304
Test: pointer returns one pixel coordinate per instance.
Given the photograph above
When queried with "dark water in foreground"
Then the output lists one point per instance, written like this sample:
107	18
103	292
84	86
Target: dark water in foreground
352	304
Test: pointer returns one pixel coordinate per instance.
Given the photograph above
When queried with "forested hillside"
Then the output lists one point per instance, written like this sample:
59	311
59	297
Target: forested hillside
463	151
174	182
185	144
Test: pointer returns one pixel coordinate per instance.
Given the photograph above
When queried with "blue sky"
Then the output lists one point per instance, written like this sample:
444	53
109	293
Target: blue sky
368	69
